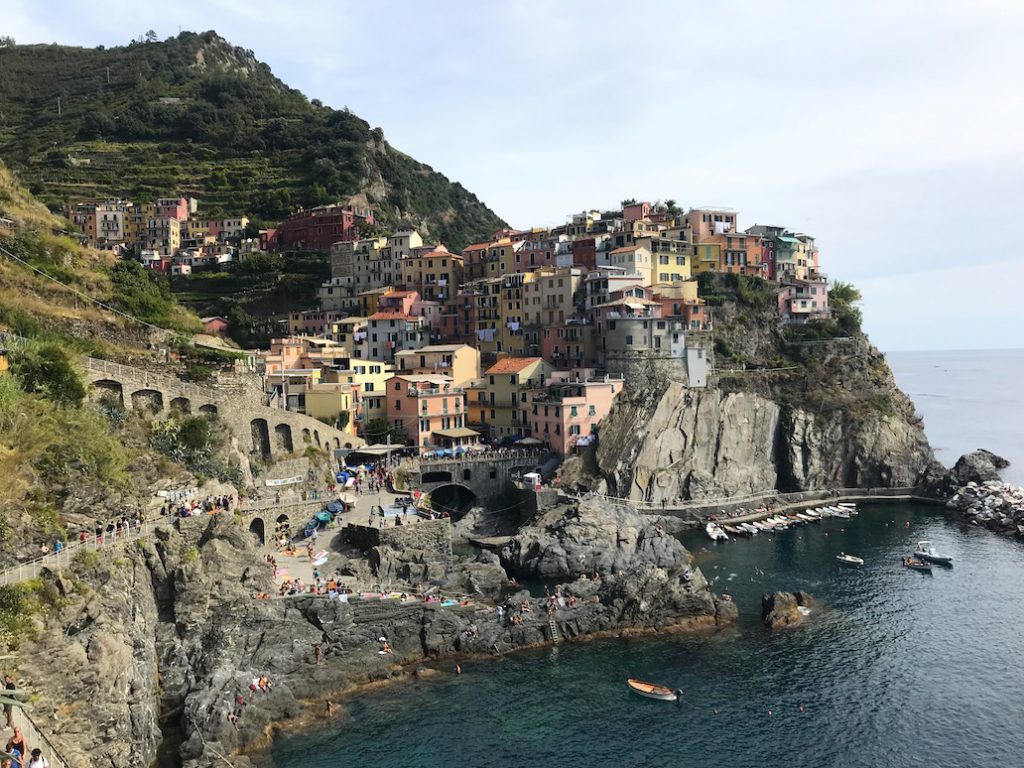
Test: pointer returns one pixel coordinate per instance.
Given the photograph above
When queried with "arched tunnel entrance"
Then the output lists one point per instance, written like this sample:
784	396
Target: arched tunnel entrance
455	499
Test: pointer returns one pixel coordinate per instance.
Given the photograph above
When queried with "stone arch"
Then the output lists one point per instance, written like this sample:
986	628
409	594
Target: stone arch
306	437
454	498
260	438
438	476
467	474
209	410
181	405
258	530
337	442
110	387
316	437
148	400
348	445
283	438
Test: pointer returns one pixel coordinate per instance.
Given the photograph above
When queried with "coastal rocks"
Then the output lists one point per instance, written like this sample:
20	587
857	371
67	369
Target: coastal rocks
783	609
979	466
996	505
692	444
566	543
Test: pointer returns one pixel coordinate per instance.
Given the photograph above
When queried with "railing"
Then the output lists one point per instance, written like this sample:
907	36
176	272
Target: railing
35	738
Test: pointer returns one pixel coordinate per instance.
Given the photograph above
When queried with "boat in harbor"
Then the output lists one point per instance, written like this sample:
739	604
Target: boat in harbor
750	529
715	532
846	559
925	551
652	691
848	507
917	565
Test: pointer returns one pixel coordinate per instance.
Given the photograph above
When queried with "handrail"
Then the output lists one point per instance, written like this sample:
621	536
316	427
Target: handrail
34	736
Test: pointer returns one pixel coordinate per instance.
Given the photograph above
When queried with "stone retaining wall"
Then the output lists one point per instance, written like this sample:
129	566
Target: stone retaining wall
428	535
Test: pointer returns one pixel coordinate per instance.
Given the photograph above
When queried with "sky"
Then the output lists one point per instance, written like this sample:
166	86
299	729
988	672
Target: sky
891	131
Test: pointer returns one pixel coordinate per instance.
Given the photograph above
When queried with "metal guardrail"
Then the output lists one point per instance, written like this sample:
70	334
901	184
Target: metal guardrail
36	738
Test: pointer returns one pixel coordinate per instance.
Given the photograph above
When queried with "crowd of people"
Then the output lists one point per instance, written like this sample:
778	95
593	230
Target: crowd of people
17	751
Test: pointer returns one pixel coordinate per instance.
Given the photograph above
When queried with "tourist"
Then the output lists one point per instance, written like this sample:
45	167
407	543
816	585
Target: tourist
330	708
9	708
17	742
37	760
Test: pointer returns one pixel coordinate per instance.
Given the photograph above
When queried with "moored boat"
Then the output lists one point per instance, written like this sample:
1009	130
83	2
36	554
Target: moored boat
715	532
652	691
925	551
916	565
846	559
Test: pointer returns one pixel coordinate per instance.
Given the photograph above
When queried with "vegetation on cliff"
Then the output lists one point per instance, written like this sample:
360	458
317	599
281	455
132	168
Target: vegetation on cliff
194	114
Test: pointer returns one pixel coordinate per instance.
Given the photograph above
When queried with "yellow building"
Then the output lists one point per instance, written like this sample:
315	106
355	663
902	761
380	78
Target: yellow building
550	296
459	361
334	401
434	274
670	262
370	377
512	308
706	258
505	409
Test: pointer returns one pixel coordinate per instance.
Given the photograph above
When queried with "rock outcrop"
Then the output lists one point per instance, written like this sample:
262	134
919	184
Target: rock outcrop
840	422
161	638
996	505
782	609
979	466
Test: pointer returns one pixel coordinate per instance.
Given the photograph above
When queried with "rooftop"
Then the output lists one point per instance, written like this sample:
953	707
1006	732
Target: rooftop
513	364
457	432
433	348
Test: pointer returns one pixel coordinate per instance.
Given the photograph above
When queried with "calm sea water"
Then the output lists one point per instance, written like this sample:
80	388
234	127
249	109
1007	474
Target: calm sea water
969	399
893	668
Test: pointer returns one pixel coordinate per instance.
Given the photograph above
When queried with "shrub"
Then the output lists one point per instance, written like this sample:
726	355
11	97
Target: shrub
47	371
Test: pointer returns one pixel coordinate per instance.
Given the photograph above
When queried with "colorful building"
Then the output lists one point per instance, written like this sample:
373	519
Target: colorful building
507	385
317	229
430	410
460	362
566	412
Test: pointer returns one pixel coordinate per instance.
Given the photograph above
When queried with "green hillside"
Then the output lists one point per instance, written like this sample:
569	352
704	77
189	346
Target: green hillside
194	114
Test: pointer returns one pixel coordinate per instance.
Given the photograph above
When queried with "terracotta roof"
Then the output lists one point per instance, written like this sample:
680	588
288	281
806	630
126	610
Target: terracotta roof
512	364
476	247
389	316
626	249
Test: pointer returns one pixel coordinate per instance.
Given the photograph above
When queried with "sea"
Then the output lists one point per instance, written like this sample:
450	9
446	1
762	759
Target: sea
892	668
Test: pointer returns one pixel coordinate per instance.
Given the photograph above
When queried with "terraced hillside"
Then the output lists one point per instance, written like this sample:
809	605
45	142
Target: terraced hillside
194	114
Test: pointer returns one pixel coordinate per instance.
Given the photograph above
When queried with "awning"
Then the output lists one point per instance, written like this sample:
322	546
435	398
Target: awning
457	432
529	441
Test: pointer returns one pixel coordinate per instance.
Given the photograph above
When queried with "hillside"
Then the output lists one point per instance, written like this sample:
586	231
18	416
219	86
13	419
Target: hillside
194	114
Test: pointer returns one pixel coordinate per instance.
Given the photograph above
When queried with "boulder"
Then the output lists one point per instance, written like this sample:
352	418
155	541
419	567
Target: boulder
782	609
979	466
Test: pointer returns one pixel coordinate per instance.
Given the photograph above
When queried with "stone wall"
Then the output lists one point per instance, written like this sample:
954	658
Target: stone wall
428	535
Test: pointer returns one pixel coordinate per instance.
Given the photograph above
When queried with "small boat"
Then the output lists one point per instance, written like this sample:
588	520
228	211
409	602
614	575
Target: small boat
652	691
733	530
846	559
805	518
925	551
917	565
715	533
750	529
843	514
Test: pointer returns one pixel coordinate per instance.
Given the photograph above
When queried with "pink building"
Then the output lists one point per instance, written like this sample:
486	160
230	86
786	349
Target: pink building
215	326
430	410
566	413
172	208
803	300
569	345
636	212
400	302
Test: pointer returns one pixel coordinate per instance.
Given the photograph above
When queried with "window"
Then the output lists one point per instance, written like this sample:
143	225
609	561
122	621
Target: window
573	411
398	386
629	339
592	410
398	405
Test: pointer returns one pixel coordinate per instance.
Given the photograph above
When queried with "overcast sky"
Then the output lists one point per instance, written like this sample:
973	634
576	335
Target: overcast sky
892	131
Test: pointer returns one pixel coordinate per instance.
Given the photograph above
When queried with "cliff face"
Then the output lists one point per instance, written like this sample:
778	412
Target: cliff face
836	419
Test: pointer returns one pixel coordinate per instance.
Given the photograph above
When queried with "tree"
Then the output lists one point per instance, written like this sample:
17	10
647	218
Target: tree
673	207
151	36
6	41
628	201
47	371
378	430
842	299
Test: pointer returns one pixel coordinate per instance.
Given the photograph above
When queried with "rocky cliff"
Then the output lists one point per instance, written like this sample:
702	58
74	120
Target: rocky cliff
147	648
826	416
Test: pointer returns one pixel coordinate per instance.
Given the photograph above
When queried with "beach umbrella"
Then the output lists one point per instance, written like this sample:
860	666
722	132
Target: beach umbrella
334	506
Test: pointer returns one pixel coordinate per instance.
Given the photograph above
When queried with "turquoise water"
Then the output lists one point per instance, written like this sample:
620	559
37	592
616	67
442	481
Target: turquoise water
893	668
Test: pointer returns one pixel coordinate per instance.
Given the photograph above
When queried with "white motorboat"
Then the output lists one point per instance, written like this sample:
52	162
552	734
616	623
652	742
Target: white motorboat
925	551
751	529
846	559
715	532
653	691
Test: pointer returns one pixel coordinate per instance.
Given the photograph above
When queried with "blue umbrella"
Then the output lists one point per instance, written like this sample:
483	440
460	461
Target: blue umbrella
334	506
